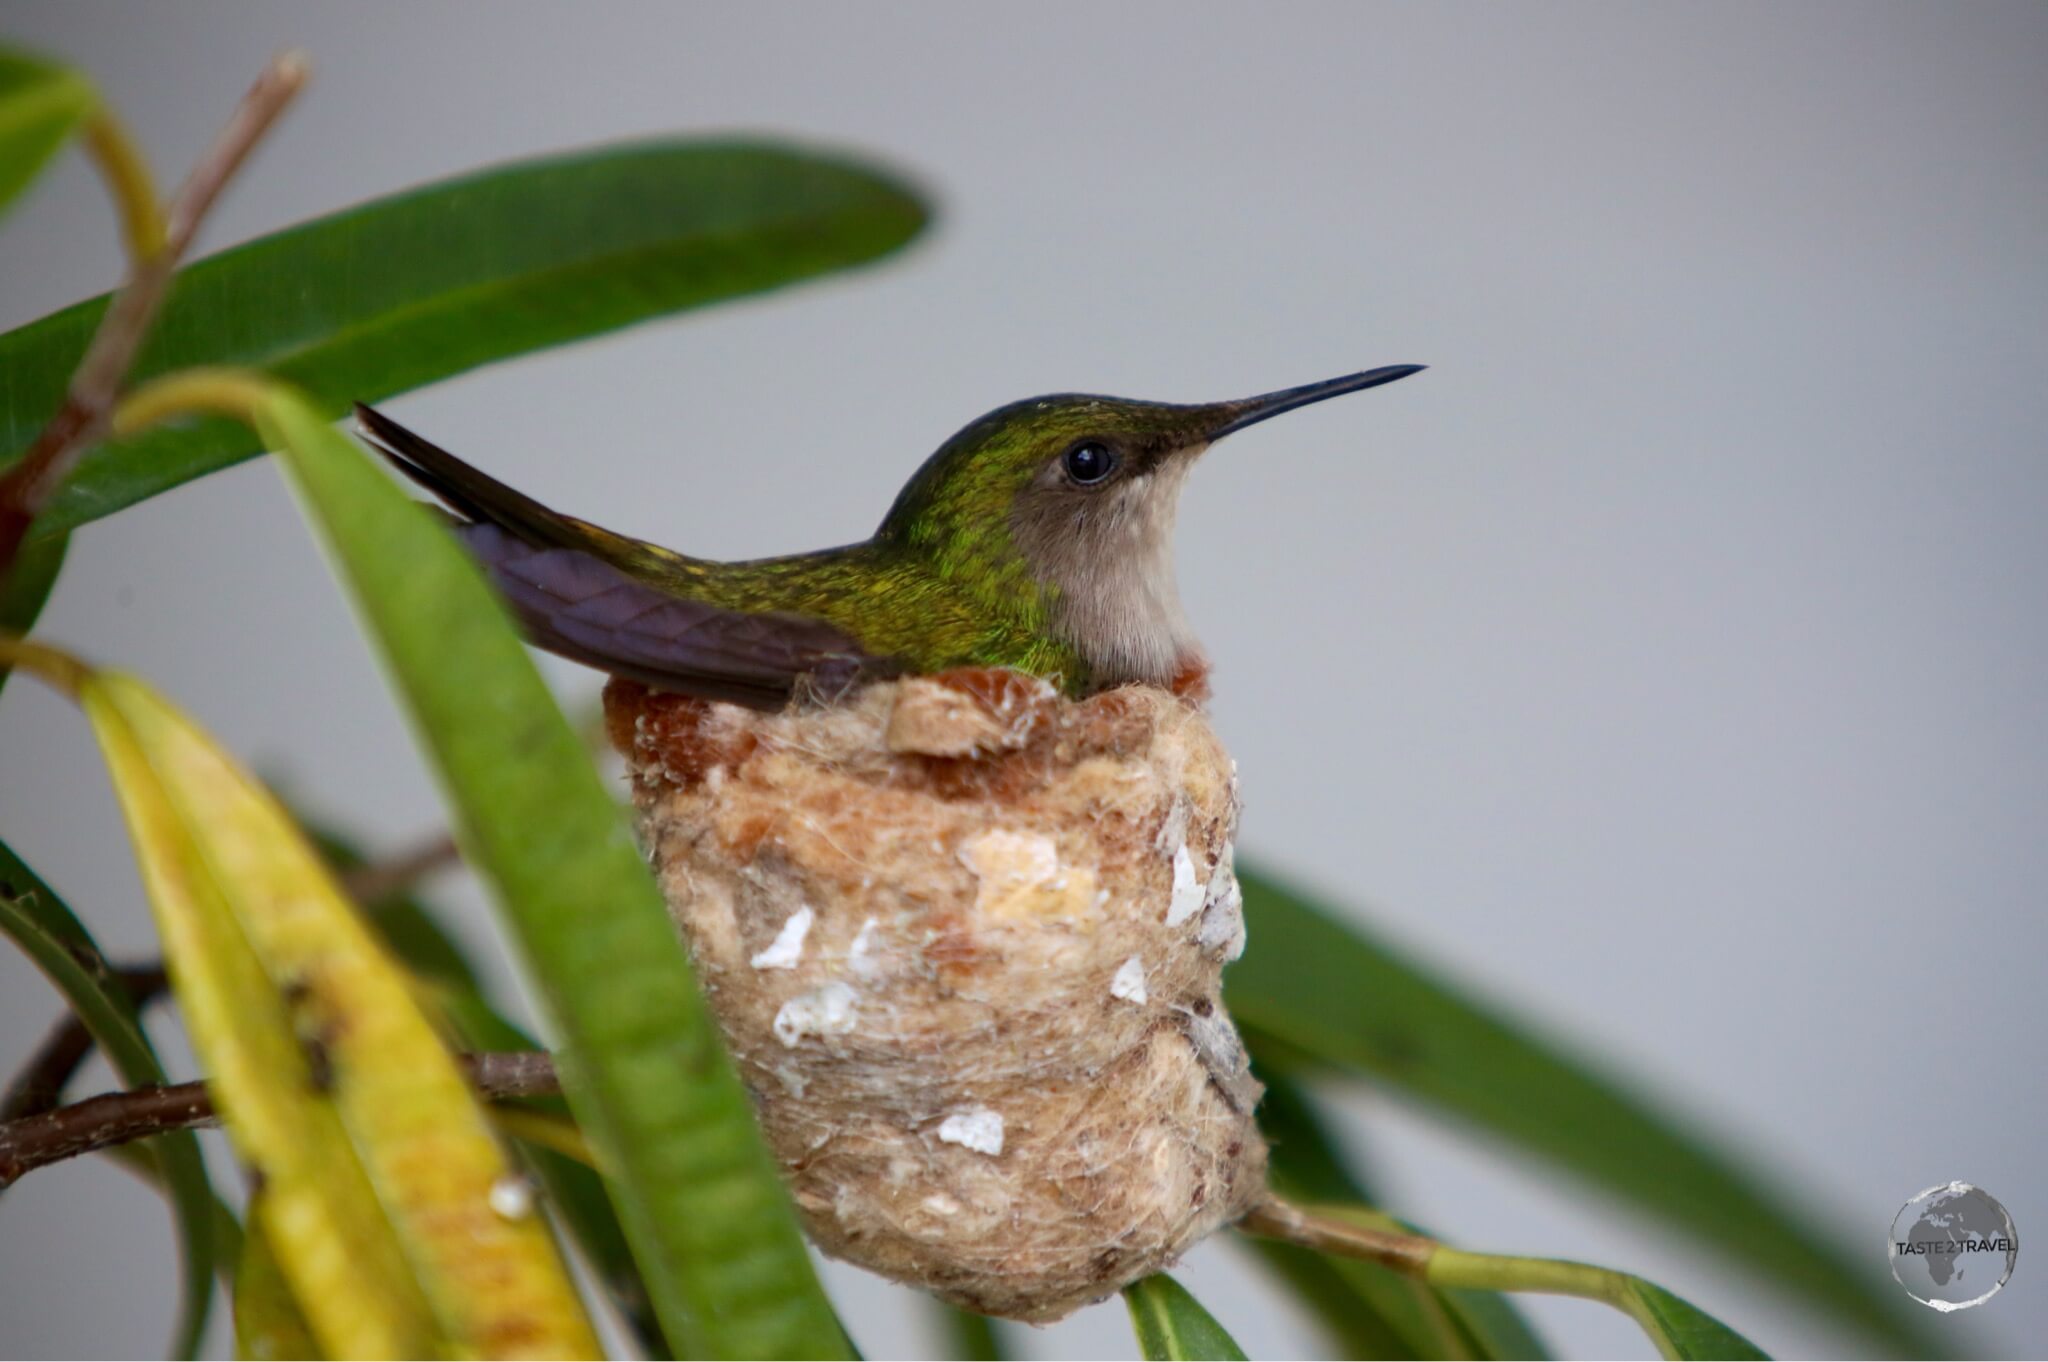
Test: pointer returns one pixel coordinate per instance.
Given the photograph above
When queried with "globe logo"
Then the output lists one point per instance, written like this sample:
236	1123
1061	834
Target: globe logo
1953	1246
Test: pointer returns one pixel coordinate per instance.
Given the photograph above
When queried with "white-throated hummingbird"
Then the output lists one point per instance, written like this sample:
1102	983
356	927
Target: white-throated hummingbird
1038	538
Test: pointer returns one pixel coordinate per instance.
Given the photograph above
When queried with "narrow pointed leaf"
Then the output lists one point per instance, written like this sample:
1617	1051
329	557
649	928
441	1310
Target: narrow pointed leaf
492	1281
338	1251
1683	1330
1324	988
644	1070
41	104
1172	1326
41	924
405	290
574	1192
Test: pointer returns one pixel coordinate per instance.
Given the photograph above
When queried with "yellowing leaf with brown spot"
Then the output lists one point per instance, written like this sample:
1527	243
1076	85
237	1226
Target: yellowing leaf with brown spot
377	1161
334	1244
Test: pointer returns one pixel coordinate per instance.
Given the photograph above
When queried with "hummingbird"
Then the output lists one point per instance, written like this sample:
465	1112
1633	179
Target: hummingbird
1039	538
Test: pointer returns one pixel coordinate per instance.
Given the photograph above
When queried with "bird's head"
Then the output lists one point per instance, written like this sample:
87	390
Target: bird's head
1075	495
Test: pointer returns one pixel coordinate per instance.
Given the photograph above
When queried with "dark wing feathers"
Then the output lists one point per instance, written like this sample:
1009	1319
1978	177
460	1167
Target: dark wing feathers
584	608
573	602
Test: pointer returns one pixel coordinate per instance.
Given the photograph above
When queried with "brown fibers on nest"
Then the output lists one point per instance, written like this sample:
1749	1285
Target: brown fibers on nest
965	939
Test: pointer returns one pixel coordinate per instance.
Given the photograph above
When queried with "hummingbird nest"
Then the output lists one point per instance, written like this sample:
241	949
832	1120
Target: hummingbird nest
965	939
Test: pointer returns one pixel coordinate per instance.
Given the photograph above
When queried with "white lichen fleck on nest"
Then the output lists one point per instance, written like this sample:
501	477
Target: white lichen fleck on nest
965	938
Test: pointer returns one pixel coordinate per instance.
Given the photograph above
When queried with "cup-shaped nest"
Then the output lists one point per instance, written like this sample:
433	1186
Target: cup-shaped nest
965	938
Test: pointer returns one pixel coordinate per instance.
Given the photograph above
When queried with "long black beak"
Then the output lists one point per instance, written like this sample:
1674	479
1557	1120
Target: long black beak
1253	410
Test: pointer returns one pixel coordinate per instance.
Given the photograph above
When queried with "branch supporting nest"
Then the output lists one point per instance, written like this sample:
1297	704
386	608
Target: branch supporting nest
1275	1218
35	1131
42	1081
115	1118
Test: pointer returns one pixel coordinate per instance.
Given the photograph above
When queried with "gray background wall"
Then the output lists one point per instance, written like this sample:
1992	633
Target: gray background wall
1669	661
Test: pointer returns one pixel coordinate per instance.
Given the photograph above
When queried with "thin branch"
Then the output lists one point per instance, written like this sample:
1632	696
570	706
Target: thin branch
41	1083
89	400
279	84
372	882
1340	1231
119	1117
1274	1218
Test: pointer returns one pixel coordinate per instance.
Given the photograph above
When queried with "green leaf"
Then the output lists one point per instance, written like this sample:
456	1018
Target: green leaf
41	924
41	104
1680	1329
379	1167
1371	1310
1172	1325
405	290
1325	989
26	586
645	1072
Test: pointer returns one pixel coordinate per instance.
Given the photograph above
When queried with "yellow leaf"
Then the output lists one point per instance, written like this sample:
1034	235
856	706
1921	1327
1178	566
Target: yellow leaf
331	1079
268	1322
334	1245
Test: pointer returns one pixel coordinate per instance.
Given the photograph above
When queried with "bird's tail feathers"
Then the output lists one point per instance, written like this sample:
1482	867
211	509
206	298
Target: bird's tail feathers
585	593
468	491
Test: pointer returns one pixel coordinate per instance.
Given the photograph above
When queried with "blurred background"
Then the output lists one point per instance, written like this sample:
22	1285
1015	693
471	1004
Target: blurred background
1670	662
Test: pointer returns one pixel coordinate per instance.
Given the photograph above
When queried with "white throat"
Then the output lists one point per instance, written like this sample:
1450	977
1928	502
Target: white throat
1118	597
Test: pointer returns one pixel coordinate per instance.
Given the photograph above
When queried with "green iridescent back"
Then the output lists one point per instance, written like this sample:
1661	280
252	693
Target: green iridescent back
942	584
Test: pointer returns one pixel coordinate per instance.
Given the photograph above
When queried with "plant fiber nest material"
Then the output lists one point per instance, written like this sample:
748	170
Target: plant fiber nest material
965	939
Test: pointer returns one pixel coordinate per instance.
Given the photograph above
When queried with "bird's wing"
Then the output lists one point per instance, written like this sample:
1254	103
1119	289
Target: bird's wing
566	582
576	604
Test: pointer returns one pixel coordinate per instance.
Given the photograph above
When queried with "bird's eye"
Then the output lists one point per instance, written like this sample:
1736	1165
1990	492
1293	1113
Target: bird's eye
1088	463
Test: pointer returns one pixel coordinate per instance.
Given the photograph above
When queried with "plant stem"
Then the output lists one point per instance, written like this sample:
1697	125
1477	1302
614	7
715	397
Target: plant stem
240	393
373	882
1451	1267
59	670
1274	1218
41	1082
82	420
1338	1231
119	1117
